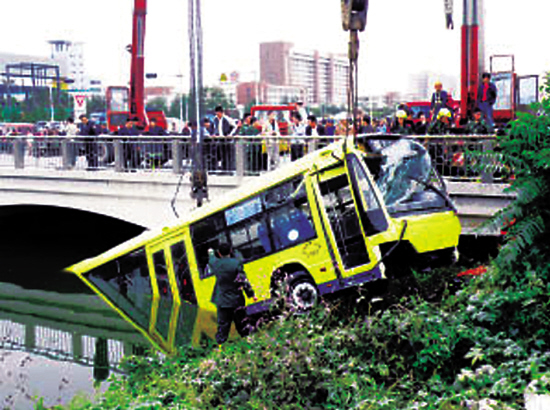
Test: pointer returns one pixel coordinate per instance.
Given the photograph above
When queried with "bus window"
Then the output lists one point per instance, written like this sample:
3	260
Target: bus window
341	213
290	219
271	221
126	282
182	273
372	216
166	300
250	239
208	233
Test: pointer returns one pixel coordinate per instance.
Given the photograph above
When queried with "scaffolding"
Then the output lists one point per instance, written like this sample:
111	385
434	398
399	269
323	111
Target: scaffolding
39	74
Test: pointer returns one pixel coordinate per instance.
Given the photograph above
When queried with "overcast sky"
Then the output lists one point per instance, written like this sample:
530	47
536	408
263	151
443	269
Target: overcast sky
402	36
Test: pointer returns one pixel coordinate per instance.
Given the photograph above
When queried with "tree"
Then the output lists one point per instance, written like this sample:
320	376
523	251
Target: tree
96	103
174	110
215	96
248	107
525	152
158	104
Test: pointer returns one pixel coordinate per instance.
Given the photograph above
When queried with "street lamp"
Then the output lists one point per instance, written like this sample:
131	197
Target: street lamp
155	75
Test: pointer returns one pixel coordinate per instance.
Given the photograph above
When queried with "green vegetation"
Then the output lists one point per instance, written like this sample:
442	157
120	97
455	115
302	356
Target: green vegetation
437	347
37	107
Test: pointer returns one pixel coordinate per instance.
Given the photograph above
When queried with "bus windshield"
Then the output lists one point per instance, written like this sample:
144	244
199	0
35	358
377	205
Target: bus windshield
404	174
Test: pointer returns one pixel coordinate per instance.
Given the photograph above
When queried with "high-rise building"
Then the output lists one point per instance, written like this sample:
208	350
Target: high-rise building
324	77
70	57
421	85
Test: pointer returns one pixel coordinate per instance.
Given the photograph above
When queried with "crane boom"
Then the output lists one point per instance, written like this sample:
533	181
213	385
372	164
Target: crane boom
137	69
470	70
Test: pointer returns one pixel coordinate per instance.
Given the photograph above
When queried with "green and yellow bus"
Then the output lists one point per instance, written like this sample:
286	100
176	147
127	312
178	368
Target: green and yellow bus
326	222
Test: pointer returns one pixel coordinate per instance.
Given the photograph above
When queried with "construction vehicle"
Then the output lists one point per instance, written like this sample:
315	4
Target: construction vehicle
515	93
129	102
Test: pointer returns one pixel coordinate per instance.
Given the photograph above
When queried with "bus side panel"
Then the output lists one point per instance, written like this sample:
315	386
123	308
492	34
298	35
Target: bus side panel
312	255
432	232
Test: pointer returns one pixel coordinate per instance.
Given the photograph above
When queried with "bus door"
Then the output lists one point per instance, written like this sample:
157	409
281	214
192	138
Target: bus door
189	326
352	221
164	294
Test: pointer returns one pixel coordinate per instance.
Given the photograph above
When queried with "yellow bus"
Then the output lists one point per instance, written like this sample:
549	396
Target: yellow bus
326	222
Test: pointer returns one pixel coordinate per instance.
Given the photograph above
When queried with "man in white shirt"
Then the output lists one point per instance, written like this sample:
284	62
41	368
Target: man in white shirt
297	129
223	126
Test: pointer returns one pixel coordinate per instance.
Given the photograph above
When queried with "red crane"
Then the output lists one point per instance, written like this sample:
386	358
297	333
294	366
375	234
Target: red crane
137	73
470	69
124	102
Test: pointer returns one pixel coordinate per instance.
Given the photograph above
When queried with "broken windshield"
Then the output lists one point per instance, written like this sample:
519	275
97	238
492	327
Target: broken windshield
405	176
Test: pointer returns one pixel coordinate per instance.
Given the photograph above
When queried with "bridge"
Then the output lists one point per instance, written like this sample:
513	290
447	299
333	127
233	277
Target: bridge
140	187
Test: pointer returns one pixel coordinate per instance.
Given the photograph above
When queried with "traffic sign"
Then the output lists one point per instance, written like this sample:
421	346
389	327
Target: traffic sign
79	104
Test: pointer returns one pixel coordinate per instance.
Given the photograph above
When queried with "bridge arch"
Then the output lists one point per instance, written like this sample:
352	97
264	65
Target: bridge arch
45	237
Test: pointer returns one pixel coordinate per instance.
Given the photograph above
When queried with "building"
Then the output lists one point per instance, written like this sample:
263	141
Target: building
70	58
421	85
324	77
264	93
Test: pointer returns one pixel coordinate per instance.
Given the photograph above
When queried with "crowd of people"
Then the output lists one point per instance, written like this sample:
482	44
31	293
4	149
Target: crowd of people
439	118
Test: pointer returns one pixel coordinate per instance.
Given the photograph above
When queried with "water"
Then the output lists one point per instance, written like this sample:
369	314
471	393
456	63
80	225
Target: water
56	344
57	338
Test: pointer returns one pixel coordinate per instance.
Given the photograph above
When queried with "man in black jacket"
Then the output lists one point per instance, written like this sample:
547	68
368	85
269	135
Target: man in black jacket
486	98
130	149
224	126
228	293
88	128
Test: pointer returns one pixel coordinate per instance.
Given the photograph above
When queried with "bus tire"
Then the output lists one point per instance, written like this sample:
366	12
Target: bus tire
302	295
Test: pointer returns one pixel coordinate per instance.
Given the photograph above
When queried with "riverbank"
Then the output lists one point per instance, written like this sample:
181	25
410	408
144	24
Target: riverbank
439	347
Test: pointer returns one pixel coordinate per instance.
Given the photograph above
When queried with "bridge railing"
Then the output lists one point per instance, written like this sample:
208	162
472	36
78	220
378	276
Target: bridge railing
453	156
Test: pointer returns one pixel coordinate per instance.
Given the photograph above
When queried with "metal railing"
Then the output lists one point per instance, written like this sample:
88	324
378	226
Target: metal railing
59	345
457	157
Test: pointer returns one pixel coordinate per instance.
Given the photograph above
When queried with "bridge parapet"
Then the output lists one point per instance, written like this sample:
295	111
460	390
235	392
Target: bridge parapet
454	156
142	193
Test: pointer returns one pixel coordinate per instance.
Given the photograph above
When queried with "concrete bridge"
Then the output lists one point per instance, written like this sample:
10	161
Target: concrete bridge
145	198
54	172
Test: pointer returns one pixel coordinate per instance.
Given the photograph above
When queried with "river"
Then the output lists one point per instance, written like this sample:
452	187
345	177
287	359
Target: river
57	340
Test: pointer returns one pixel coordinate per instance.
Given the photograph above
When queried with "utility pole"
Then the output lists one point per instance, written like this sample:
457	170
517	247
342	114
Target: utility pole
354	19
199	189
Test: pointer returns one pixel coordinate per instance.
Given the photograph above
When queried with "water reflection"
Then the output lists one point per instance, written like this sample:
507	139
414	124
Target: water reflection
57	344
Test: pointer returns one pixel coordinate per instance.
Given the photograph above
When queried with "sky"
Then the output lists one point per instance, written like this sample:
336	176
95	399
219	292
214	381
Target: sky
402	36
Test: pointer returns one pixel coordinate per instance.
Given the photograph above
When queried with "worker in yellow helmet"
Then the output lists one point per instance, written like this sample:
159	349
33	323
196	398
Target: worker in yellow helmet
400	125
440	99
442	125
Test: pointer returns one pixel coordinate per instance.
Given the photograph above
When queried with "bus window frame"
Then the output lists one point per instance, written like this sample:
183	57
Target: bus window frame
321	176
151	249
360	201
264	215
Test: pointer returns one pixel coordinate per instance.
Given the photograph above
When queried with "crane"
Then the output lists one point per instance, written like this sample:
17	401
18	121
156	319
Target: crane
129	102
137	67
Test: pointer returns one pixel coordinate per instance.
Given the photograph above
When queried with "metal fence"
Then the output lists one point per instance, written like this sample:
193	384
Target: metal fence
457	157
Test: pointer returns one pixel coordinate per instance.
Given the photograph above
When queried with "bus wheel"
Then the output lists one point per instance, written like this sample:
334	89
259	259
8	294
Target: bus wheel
303	295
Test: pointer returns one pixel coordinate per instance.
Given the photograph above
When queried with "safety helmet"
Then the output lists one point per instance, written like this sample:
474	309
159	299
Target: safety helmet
444	112
401	114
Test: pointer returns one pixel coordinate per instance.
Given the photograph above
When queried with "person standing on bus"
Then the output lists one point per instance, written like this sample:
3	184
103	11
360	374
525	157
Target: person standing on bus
486	98
228	293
